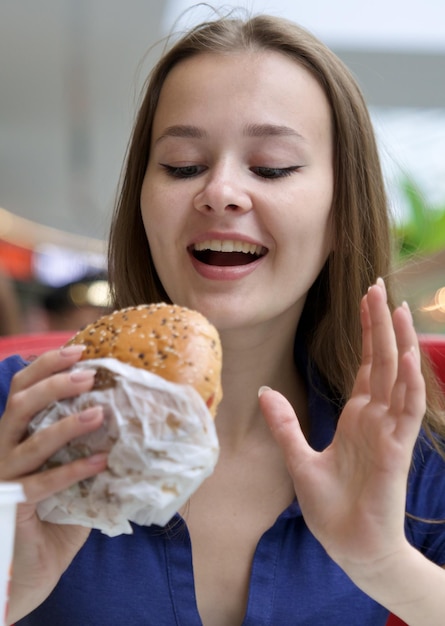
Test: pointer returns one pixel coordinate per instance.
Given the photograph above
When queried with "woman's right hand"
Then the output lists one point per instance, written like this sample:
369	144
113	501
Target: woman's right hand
44	550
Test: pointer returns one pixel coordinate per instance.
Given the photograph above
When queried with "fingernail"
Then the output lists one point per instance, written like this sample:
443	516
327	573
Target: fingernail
91	414
72	350
97	459
80	376
381	283
262	389
408	310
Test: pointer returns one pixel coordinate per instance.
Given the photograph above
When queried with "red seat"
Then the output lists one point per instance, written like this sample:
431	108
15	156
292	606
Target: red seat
434	348
30	345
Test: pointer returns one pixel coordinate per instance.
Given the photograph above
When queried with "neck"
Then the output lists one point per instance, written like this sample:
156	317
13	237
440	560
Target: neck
251	360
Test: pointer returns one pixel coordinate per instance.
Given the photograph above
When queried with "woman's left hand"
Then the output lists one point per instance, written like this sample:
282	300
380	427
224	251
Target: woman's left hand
353	493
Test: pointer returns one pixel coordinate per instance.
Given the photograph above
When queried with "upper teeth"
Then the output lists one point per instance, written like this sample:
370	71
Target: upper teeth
229	245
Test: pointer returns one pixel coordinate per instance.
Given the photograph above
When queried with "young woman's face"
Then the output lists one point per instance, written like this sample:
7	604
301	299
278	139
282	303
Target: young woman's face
236	200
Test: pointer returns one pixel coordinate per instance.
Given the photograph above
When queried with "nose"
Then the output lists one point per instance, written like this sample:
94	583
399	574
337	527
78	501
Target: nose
223	191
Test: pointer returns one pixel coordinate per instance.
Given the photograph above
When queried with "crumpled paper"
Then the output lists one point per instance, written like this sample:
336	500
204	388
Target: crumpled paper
162	445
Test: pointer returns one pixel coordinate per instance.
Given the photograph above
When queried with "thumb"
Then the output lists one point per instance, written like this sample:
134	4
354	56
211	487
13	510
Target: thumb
284	425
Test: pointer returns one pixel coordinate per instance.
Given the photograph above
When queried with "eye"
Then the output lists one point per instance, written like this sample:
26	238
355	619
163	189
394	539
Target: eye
184	171
275	172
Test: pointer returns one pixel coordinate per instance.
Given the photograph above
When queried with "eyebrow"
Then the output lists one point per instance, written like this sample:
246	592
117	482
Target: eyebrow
251	130
271	130
182	130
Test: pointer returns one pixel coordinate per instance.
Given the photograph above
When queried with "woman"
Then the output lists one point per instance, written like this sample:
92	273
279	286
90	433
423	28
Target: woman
253	193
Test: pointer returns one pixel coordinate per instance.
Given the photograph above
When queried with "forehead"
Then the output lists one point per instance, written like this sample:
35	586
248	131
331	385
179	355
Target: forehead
264	84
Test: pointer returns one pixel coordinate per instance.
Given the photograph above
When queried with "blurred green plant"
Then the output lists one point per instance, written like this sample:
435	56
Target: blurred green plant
422	231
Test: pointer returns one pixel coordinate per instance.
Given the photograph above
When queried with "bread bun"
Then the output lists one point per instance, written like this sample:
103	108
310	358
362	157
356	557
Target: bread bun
171	341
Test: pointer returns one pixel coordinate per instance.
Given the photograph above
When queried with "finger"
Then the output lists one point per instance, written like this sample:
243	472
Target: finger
384	347
405	332
23	405
32	453
406	338
284	426
409	400
414	406
45	365
39	486
362	381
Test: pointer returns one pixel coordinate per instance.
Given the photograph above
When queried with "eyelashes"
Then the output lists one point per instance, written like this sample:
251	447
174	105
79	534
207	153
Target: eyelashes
184	171
191	171
275	172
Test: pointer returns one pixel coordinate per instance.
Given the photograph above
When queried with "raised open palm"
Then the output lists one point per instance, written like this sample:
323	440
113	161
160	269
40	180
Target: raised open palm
352	494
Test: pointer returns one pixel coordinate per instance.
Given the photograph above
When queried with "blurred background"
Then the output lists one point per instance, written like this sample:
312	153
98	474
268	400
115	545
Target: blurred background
71	72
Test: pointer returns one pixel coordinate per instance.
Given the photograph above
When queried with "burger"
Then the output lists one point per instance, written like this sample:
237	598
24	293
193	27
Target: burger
158	379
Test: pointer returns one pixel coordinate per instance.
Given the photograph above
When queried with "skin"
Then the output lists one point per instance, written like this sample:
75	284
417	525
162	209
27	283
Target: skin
224	192
353	493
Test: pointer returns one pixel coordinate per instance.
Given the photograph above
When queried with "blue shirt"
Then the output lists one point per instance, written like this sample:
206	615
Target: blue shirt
146	579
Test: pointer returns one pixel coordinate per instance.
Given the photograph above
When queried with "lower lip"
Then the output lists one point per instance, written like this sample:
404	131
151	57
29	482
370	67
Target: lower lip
231	272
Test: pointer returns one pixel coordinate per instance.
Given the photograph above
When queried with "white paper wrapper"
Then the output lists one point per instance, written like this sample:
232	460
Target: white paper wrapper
162	442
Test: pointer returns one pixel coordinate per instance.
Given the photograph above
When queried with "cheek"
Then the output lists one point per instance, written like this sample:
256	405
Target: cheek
307	218
155	215
148	200
163	225
307	236
318	214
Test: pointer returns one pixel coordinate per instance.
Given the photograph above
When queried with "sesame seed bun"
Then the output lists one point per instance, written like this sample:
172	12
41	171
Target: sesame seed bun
171	341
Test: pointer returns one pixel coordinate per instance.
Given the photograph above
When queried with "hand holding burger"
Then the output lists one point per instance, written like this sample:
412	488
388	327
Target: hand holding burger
158	378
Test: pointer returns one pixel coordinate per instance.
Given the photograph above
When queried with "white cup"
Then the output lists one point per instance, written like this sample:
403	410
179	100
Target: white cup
10	495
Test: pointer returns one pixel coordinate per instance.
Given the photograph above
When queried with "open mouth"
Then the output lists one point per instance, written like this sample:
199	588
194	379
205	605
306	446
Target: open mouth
227	253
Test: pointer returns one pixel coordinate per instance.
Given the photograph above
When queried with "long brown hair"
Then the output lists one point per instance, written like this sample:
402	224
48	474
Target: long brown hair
362	232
